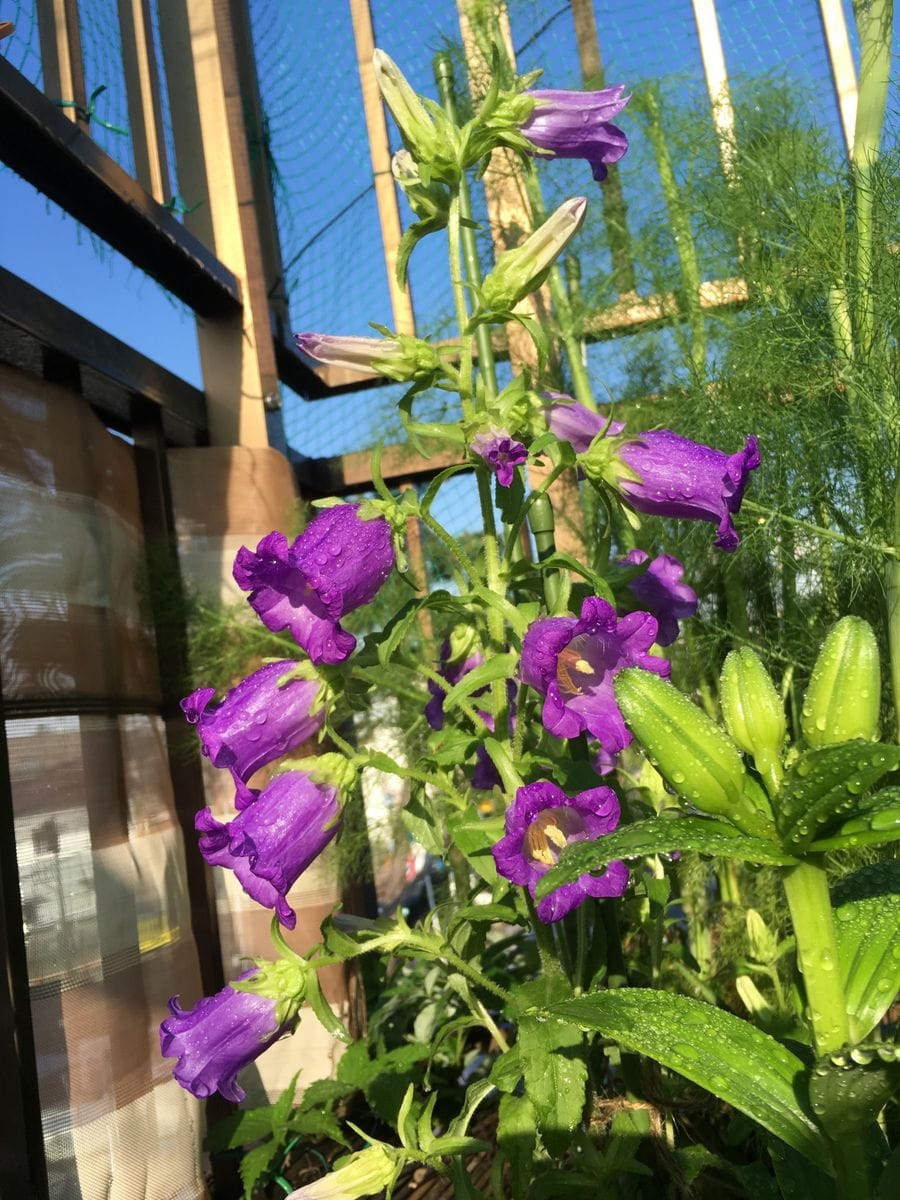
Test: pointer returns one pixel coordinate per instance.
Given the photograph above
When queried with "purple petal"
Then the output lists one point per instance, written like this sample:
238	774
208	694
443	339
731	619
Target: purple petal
577	125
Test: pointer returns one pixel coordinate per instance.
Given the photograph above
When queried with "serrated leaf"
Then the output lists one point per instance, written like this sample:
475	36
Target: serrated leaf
867	919
507	1071
254	1165
420	826
281	1109
317	1123
730	1058
501	666
552	1057
485	912
660	835
391	637
823	784
237	1129
516	1136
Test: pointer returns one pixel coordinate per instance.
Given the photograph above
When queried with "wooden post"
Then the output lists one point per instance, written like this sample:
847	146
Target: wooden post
716	81
380	151
615	210
144	108
843	71
60	38
236	353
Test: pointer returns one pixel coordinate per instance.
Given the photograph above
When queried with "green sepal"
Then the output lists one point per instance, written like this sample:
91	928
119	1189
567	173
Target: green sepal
331	769
286	981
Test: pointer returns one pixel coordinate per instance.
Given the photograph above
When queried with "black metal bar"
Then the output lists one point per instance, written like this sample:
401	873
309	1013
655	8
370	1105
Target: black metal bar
166	589
23	1167
50	151
68	336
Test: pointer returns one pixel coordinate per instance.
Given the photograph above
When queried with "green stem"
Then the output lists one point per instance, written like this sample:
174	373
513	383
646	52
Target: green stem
823	531
544	938
892	599
468	709
806	889
581	938
452	545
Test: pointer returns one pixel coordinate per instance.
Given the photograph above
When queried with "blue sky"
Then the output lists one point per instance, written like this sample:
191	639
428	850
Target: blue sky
310	89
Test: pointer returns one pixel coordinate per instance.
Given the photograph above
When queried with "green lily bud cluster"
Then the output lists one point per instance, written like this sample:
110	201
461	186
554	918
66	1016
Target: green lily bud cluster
753	712
689	750
844	693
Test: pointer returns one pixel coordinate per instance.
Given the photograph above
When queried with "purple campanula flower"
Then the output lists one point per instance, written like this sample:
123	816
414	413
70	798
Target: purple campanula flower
571	661
660	591
676	477
540	822
350	352
574	423
577	125
336	565
257	722
218	1037
501	452
272	841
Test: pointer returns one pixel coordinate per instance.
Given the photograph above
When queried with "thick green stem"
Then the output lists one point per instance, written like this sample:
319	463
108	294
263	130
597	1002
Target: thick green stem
892	599
806	889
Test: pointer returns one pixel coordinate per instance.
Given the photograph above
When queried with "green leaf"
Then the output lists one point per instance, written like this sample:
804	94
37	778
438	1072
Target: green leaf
254	1165
421	826
475	839
848	1095
797	1178
730	1058
281	1109
517	1135
327	1019
391	637
867	917
823	784
552	1057
502	666
507	1071
661	835
237	1129
565	562
753	1178
485	912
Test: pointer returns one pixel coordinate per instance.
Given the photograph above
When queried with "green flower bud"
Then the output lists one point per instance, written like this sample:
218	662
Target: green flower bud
689	750
753	712
763	943
520	271
844	693
366	1173
413	119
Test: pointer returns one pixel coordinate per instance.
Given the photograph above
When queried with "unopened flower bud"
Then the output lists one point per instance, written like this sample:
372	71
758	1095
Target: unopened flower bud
844	693
753	712
413	119
763	943
402	358
689	750
520	271
366	1173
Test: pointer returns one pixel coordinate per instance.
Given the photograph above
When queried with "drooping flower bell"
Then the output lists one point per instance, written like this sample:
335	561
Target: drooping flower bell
501	452
258	721
661	592
218	1037
541	821
577	125
402	357
272	841
572	661
336	565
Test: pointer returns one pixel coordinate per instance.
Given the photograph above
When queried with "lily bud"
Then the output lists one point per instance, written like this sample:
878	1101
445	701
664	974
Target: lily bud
753	712
520	271
844	693
763	943
689	750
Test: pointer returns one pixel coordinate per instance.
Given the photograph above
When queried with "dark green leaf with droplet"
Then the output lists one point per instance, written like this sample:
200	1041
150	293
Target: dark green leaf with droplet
552	1057
660	835
729	1057
847	1096
822	786
867	921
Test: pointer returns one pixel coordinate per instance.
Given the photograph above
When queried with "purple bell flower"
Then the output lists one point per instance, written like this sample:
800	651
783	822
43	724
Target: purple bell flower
501	452
541	821
574	423
572	661
680	478
577	125
660	591
257	722
272	841
336	565
218	1037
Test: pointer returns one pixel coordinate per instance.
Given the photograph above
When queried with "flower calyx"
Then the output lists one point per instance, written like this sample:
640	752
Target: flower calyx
285	981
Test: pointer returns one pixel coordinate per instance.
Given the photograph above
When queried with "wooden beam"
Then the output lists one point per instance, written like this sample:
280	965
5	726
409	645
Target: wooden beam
843	69
236	353
713	57
51	324
144	106
59	33
40	144
380	151
346	473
